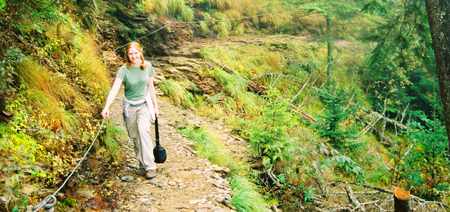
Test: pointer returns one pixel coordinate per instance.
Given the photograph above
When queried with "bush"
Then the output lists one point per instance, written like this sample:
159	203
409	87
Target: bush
7	73
232	84
35	17
2	4
111	139
350	168
222	25
425	166
337	110
268	134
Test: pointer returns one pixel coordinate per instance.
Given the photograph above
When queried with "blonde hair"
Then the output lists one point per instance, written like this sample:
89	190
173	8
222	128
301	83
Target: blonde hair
138	47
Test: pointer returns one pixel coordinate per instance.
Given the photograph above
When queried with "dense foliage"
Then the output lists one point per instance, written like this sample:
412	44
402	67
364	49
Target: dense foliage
353	99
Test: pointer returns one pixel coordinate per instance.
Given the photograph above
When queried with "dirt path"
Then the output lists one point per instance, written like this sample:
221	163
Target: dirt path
185	182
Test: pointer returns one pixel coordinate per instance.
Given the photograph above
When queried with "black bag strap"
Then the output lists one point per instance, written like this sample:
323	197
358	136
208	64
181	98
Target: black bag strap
156	131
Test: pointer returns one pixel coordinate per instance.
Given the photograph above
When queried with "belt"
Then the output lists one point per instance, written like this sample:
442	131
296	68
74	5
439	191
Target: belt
137	105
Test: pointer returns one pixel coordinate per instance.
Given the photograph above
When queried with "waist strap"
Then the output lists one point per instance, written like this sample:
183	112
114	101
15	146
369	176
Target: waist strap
135	103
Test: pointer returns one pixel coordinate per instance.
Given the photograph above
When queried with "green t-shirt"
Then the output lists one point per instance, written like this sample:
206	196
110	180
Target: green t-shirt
135	80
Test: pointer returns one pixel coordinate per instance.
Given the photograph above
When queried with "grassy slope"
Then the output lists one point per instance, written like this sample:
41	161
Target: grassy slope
284	70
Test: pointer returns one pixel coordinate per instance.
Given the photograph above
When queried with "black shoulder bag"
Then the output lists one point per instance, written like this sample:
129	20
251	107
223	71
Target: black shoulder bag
159	152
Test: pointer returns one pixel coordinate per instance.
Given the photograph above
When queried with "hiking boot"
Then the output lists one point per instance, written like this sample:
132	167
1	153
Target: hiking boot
150	174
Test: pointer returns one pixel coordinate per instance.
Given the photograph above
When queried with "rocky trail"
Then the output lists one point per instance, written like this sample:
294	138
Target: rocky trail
185	182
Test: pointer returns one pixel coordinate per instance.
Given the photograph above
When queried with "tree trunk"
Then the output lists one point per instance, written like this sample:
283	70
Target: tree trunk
439	20
329	49
401	200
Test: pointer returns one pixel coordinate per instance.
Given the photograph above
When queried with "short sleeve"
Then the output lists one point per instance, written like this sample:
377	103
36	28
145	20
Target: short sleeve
121	73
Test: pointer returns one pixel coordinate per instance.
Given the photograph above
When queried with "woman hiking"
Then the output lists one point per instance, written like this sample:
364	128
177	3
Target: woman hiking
139	105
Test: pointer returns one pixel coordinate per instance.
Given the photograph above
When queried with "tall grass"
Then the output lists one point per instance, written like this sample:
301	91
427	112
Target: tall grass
177	93
173	8
245	197
50	113
38	77
48	93
92	71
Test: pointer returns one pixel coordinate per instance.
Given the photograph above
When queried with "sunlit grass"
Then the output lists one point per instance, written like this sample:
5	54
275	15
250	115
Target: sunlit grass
245	194
245	197
38	77
172	8
177	93
49	111
92	70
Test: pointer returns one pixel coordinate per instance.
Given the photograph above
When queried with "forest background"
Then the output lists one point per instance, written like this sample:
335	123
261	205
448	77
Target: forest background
352	96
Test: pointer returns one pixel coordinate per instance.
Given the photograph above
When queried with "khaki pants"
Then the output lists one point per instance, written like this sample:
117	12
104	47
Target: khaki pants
137	121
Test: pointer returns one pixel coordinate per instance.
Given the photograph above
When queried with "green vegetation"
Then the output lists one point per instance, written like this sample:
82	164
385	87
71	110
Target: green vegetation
53	86
245	194
337	110
177	93
172	8
322	91
111	140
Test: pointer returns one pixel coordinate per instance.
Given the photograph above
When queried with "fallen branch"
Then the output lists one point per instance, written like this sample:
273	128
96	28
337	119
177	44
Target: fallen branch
305	115
389	120
416	198
353	200
301	90
252	86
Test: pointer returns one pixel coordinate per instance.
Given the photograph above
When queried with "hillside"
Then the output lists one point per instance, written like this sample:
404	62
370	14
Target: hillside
265	105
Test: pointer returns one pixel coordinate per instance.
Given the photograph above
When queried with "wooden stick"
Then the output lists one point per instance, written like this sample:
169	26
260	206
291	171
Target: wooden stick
353	199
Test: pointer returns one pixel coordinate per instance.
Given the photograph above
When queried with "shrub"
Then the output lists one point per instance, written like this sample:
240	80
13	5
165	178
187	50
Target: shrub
111	139
222	25
2	4
425	166
160	7
34	17
7	74
233	85
349	168
268	134
337	110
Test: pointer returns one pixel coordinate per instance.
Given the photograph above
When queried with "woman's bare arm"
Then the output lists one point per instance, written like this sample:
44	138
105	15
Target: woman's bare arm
152	93
111	96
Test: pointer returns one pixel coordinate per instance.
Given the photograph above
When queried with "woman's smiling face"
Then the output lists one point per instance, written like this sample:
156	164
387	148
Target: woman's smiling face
134	55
